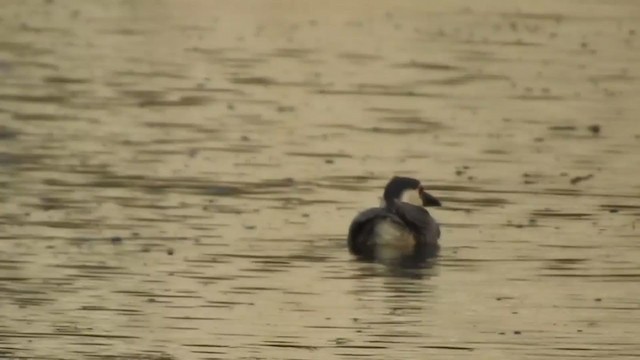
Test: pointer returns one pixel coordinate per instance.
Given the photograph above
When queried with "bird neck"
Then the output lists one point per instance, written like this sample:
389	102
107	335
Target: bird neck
389	203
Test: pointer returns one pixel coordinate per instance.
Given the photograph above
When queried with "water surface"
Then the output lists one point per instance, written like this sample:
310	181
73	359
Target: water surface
177	178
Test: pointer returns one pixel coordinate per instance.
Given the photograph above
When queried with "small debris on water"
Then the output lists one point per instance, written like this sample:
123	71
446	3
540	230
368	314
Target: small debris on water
170	251
598	299
595	129
579	179
529	178
329	161
116	240
517	332
341	341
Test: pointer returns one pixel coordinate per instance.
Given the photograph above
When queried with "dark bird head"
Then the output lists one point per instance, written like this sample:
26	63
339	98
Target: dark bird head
408	190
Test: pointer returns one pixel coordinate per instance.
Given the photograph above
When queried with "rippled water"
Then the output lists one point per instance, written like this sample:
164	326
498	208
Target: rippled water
177	178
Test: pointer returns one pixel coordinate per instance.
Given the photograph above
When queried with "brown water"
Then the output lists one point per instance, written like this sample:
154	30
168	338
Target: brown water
177	178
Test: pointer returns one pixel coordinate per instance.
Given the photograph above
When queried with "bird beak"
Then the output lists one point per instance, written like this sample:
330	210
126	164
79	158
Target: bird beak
428	199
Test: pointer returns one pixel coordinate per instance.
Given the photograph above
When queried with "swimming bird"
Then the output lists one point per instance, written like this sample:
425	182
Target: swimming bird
401	229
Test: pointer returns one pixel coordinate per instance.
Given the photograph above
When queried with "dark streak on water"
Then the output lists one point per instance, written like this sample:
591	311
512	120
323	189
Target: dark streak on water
177	185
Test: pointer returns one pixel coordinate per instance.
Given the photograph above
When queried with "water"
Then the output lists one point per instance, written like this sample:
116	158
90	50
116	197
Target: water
177	178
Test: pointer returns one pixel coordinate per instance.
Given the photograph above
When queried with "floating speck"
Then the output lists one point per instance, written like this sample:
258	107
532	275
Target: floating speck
595	129
579	179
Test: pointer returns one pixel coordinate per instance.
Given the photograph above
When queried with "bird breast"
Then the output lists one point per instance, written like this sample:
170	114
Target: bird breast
392	240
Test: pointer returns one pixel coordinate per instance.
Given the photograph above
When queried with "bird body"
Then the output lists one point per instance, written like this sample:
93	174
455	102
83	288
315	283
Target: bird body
400	229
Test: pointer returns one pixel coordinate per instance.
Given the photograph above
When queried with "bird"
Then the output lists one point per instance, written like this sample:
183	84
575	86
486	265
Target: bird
401	229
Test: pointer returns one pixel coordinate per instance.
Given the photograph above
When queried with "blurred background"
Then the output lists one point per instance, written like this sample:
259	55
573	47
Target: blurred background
177	178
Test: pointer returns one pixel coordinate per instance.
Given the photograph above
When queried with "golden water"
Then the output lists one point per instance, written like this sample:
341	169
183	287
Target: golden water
177	178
